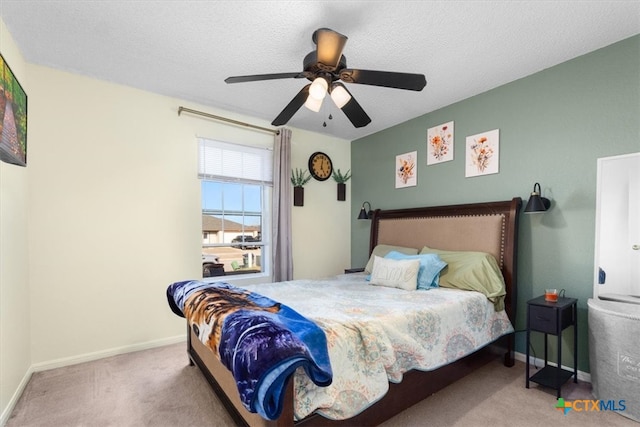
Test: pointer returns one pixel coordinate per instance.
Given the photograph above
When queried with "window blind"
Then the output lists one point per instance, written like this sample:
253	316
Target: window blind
233	162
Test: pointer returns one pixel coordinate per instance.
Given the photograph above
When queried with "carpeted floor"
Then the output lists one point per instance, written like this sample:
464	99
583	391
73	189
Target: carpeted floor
157	388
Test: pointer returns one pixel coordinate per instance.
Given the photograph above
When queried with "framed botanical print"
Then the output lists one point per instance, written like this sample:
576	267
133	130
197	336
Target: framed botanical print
440	143
482	154
406	172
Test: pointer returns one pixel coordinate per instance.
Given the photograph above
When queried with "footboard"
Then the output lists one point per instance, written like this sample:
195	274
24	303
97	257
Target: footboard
222	382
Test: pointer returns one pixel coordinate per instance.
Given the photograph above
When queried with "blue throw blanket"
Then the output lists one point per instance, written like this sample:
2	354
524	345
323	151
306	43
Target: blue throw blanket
261	341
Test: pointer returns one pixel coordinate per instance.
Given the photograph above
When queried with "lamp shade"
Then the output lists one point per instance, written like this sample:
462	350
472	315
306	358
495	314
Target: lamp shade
318	88
340	95
362	214
536	203
313	104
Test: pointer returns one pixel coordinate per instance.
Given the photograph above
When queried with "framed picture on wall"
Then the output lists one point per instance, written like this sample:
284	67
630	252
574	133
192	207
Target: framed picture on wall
13	117
406	172
440	143
483	153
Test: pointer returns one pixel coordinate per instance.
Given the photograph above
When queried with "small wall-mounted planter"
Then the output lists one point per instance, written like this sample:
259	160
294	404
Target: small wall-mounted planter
342	191
298	196
341	179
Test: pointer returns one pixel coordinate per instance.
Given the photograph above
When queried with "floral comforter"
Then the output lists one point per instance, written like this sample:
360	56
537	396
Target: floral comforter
376	334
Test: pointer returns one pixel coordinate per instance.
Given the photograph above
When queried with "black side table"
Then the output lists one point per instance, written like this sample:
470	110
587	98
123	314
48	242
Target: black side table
552	318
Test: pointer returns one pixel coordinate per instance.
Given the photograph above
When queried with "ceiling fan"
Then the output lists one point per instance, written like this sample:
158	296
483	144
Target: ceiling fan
324	67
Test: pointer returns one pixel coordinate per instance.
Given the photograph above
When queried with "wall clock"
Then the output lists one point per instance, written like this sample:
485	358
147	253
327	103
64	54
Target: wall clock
320	166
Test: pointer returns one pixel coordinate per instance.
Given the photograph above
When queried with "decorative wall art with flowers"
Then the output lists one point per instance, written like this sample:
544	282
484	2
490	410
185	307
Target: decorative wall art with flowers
406	171
440	143
483	153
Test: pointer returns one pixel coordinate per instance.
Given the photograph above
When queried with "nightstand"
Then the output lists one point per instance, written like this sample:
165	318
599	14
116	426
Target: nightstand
552	318
353	270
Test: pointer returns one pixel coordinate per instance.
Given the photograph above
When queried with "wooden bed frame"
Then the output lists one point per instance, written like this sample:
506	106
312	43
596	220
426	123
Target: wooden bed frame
487	227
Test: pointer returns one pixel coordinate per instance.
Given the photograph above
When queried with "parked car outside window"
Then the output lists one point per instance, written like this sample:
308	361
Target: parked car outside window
244	242
211	266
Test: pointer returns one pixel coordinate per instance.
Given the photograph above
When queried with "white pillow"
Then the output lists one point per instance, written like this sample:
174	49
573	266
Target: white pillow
382	250
401	274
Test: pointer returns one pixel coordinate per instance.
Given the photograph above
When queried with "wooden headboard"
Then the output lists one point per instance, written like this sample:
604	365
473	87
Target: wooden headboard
485	227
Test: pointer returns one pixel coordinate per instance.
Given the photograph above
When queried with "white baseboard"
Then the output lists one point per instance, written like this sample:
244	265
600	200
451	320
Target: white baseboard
87	357
6	413
73	360
582	376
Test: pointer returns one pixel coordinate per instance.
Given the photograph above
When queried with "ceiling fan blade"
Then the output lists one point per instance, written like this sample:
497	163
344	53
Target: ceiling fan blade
355	113
293	106
407	81
257	77
329	48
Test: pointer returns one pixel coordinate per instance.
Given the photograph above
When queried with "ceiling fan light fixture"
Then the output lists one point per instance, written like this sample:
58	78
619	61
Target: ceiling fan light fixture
340	95
322	67
313	104
319	88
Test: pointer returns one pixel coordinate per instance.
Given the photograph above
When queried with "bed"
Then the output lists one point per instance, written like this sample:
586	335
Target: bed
487	228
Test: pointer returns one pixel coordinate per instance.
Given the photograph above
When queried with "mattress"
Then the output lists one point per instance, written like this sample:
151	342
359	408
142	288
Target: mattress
376	334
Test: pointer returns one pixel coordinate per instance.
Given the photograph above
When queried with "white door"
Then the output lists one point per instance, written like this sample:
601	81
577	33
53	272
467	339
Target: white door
617	251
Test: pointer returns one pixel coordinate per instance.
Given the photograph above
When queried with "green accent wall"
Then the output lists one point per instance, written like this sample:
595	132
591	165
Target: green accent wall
553	126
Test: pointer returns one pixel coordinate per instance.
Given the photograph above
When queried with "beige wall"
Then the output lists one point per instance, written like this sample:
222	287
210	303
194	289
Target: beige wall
322	227
15	340
113	214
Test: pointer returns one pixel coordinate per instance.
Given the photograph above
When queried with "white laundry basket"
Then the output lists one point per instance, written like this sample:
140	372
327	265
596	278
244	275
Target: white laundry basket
614	353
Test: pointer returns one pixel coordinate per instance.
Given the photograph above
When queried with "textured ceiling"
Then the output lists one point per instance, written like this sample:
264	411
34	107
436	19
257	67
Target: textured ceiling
185	49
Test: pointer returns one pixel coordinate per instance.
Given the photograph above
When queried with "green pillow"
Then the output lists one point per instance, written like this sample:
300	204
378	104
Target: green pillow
382	250
472	271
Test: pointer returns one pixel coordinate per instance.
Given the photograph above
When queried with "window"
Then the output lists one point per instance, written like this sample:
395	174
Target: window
236	185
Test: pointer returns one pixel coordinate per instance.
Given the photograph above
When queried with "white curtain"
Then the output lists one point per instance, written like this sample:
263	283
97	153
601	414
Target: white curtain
281	227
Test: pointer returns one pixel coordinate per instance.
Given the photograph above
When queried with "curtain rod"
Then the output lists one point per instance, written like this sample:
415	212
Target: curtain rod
224	119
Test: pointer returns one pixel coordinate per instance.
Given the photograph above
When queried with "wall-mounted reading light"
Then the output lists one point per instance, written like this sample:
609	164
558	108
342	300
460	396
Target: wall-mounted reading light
536	203
365	214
